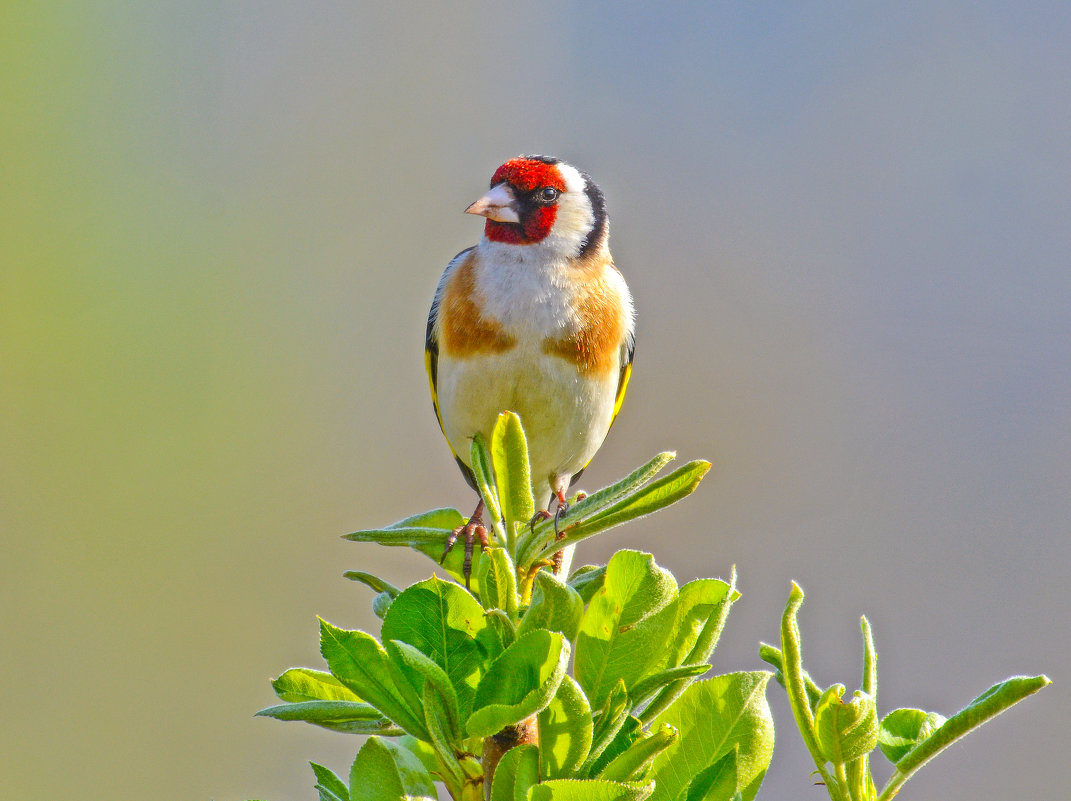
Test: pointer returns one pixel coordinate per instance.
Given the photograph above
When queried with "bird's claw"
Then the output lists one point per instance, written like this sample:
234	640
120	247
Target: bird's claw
473	531
538	517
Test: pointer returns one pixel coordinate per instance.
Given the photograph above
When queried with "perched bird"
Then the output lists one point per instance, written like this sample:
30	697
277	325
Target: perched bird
535	319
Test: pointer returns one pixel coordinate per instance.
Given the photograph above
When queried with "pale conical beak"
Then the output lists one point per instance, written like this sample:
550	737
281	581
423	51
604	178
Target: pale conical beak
500	205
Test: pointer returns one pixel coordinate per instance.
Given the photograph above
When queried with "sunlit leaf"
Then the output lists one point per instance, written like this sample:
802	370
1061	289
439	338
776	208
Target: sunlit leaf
522	681
374	582
716	783
509	457
565	731
360	663
444	518
845	731
634	763
699	602
341	716
714	717
424	673
329	786
555	606
446	624
440	717
484	474
589	790
385	771
498	582
587	581
607	725
626	624
653	682
773	656
516	772
664	492
630	732
985	707
594	504
903	729
306	684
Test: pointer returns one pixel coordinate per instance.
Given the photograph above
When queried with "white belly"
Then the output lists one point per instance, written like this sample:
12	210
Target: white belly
565	415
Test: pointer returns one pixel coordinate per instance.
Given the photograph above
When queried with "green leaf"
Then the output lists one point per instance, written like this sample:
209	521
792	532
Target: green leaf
607	497
425	533
986	706
565	731
607	725
773	656
342	716
446	624
498	582
630	731
634	762
374	582
448	519
422	750
360	663
625	625
423	538
903	729
384	771
859	781
795	684
869	685
587	581
714	717
516	772
555	606
381	604
716	783
845	731
519	683
422	673
306	684
330	786
443	728
509	456
483	472
653	682
593	504
428	540
702	608
501	622
699	602
662	493
588	790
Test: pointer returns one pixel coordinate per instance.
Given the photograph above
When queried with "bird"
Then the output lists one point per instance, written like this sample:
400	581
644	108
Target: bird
536	319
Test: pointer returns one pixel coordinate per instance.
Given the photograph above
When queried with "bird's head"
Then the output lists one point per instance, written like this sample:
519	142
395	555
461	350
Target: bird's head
542	200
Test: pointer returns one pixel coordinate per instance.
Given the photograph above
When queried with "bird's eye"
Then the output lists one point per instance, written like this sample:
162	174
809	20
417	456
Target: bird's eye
548	194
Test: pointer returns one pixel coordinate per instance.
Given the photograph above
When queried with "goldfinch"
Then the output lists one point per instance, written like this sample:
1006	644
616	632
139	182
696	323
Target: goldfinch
536	319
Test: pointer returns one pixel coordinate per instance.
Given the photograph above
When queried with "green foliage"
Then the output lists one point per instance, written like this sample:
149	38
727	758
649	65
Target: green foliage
841	736
452	670
458	680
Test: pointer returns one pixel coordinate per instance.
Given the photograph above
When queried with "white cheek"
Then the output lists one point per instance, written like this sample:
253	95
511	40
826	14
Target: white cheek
575	217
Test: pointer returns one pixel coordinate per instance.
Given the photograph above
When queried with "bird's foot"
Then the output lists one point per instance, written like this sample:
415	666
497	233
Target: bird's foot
559	515
538	517
473	531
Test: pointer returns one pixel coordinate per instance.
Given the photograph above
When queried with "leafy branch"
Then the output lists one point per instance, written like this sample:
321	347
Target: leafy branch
530	686
841	735
472	688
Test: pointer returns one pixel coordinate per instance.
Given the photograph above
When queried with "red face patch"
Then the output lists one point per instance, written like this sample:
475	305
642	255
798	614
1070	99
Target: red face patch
526	176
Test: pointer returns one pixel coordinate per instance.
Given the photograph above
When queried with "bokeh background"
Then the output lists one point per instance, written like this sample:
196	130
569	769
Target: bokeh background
847	230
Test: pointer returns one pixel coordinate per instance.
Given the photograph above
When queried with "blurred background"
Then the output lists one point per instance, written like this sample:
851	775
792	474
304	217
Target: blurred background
846	227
